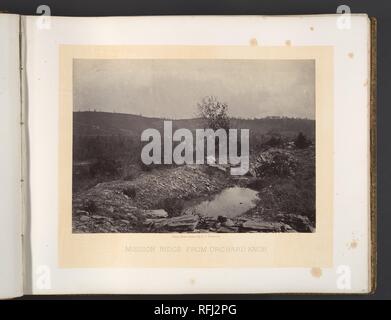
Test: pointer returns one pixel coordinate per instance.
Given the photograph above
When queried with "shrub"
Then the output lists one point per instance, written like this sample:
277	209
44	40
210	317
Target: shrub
173	207
90	206
145	167
210	171
104	167
273	142
130	192
130	172
257	184
275	163
301	141
129	177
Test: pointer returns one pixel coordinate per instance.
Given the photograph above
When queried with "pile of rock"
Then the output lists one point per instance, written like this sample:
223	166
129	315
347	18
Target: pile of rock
183	182
95	223
159	222
298	222
221	224
112	201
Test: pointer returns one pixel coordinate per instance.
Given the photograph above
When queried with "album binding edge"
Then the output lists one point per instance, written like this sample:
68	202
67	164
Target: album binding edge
373	156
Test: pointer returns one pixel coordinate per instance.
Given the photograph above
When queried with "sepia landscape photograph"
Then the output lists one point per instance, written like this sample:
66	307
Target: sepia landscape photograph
193	146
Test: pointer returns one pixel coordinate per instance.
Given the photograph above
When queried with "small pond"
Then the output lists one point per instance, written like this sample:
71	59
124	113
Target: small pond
230	202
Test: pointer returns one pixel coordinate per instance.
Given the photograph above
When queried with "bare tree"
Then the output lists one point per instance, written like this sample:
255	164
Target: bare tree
214	112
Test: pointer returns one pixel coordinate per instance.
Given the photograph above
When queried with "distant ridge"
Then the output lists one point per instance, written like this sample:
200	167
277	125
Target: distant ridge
93	123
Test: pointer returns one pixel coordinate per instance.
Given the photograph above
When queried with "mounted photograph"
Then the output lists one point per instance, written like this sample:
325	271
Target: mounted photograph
193	146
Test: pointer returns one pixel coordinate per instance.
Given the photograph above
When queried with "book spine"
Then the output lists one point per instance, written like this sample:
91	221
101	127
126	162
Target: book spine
25	162
11	266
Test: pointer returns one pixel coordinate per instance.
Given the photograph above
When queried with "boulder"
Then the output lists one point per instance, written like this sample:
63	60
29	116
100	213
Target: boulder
183	223
223	229
228	223
84	218
221	218
97	217
82	213
179	224
264	226
159	213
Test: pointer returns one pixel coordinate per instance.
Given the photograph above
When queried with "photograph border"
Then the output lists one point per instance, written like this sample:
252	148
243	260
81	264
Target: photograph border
212	249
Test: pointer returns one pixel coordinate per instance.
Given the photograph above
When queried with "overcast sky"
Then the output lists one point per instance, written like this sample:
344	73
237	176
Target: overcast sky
172	88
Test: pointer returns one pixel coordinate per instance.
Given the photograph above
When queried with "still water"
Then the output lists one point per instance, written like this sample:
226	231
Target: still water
230	202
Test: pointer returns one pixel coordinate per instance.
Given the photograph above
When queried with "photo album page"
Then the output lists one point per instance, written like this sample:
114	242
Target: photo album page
198	154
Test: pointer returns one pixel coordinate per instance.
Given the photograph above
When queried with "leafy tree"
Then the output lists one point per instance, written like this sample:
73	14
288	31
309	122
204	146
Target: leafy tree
214	112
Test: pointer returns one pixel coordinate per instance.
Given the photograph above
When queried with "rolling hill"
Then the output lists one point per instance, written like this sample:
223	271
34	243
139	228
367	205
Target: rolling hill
89	123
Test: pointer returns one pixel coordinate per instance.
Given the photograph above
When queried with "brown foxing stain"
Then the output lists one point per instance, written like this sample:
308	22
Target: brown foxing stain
288	43
366	83
312	28
316	272
353	244
192	281
253	42
351	55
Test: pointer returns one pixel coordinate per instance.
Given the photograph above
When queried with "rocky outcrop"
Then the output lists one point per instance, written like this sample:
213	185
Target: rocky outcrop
274	162
221	224
158	222
298	222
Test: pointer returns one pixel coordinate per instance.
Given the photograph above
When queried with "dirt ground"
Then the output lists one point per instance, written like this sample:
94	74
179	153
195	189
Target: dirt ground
155	201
